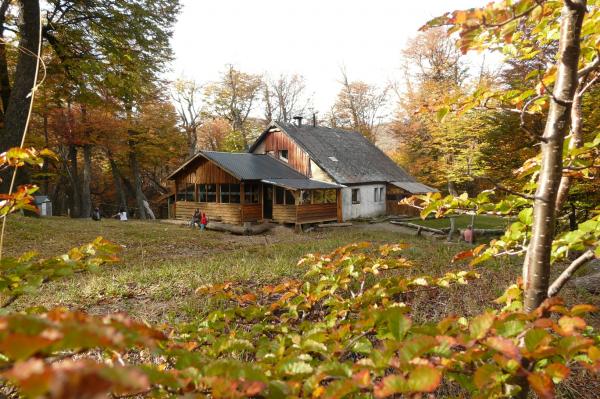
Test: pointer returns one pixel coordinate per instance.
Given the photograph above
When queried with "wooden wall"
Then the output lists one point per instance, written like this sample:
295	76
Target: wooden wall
394	208
204	171
251	212
284	213
310	213
297	158
226	213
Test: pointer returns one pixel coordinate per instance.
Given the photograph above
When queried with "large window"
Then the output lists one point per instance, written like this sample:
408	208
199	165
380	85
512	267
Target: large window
356	195
304	197
187	192
230	193
207	193
330	197
279	196
317	197
252	193
289	198
284	197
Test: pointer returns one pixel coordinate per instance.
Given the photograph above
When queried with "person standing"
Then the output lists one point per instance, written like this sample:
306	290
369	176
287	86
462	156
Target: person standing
468	235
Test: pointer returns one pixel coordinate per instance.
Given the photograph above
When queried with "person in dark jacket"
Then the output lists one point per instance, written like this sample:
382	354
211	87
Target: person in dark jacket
196	219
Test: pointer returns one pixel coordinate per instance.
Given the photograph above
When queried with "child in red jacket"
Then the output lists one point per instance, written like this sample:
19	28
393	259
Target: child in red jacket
203	221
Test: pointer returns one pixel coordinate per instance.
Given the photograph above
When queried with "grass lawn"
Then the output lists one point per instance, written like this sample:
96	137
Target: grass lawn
162	264
481	222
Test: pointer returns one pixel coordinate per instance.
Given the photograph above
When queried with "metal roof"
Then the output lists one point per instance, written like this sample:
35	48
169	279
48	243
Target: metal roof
414	187
301	184
245	166
348	157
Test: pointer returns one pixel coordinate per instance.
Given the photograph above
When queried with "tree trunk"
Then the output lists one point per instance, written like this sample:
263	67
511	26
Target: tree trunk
122	197
19	101
576	142
4	76
537	269
86	195
75	197
45	167
453	192
137	178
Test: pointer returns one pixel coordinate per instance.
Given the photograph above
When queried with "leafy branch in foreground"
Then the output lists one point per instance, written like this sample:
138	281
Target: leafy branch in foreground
343	330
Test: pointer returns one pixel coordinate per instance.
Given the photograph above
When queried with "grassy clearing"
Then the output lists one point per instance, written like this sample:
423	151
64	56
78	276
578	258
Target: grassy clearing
162	265
481	222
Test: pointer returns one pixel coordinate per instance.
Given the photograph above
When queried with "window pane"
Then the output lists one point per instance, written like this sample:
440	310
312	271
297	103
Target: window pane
289	198
356	196
376	194
256	193
279	195
211	190
224	193
234	193
304	197
330	197
381	197
202	193
318	197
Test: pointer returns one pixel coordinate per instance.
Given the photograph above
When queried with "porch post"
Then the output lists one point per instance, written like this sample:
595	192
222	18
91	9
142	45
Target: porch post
340	215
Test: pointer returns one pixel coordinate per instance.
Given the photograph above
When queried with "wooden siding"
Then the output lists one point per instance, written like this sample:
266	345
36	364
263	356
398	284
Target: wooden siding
226	213
298	159
309	213
393	207
251	212
204	171
284	213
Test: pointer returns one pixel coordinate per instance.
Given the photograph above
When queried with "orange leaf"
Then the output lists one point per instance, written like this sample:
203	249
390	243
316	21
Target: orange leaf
504	346
557	371
542	385
463	255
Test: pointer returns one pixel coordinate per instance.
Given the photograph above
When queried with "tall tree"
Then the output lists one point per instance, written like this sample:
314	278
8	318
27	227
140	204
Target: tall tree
233	98
359	107
285	97
186	94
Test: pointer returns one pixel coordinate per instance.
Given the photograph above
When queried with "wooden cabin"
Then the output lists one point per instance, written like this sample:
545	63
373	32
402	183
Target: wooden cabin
236	188
372	183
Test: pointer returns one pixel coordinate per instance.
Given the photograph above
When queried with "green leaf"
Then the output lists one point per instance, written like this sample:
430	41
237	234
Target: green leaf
511	328
424	379
481	324
534	337
441	113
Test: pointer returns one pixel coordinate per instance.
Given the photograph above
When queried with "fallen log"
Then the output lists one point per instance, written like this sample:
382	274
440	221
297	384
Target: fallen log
590	283
245	230
418	227
335	225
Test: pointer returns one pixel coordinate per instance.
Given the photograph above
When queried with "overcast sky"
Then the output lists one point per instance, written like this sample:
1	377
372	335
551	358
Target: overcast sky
314	38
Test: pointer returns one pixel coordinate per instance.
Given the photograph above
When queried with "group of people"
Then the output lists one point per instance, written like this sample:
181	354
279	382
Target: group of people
199	219
121	215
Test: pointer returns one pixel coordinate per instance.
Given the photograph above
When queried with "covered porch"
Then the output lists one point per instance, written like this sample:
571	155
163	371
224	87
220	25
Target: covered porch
235	192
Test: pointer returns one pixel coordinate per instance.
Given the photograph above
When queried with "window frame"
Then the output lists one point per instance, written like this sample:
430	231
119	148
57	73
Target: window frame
286	157
355	198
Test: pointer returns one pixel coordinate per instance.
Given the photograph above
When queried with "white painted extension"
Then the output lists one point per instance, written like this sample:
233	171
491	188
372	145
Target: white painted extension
368	201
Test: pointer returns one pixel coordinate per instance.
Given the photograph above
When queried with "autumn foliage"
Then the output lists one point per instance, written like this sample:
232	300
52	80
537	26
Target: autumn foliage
344	329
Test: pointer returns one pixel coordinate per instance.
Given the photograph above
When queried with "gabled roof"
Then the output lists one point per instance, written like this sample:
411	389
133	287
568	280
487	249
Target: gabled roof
245	166
348	157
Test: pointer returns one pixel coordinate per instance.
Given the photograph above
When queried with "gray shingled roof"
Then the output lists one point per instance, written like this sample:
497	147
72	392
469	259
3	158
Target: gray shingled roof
301	184
348	157
246	166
